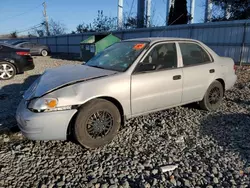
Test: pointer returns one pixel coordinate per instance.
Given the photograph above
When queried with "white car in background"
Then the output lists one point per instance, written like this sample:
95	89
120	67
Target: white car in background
128	79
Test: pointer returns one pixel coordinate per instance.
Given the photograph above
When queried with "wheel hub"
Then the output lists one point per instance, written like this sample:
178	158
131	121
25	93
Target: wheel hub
99	124
44	53
6	71
214	95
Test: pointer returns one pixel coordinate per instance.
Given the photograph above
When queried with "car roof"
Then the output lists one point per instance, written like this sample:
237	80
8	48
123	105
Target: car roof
18	42
8	45
160	39
22	41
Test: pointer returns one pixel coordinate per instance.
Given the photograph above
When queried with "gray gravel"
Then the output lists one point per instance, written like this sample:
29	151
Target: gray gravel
210	149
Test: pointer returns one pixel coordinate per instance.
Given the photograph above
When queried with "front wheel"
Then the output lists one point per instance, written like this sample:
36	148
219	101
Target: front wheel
213	97
97	123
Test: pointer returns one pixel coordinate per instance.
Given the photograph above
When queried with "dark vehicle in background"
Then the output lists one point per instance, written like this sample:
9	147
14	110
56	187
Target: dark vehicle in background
35	49
14	60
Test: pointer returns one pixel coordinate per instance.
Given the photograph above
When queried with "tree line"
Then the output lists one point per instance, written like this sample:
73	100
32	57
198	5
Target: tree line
237	9
178	14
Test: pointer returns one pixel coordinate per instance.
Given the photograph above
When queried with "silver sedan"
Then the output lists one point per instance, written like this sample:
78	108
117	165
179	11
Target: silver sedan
128	79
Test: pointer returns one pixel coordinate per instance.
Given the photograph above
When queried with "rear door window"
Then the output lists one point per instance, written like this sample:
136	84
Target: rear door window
193	54
26	45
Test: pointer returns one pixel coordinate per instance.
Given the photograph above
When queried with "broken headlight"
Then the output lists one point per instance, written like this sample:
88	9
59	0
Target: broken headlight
46	105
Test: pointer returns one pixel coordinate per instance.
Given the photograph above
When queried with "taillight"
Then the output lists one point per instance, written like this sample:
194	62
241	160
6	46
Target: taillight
22	53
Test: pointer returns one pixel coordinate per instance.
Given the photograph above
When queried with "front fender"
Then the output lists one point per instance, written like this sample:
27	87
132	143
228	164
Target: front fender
115	87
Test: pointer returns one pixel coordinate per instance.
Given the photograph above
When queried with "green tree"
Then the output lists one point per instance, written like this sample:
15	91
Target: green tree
40	33
13	34
104	23
82	28
101	23
180	13
56	28
130	22
239	9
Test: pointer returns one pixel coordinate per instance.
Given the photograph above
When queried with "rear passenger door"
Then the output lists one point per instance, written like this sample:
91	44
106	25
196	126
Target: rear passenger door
36	49
30	46
198	71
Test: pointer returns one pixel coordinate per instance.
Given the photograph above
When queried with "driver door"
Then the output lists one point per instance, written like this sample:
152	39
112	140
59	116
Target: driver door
161	87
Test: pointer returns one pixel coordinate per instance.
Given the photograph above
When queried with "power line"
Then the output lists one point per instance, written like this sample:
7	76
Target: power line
28	29
31	28
170	24
21	13
132	6
15	28
126	3
176	19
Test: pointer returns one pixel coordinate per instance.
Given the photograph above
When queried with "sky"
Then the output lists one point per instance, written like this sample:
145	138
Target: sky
19	15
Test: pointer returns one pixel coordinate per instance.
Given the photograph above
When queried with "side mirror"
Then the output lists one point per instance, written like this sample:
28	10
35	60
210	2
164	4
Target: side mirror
143	67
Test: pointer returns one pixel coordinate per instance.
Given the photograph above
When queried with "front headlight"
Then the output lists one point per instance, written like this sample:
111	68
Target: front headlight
46	105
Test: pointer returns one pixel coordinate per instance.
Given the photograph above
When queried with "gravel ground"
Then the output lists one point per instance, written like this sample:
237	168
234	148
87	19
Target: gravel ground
208	149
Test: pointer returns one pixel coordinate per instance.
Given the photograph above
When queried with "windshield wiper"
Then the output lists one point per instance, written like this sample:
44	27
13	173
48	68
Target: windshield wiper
96	66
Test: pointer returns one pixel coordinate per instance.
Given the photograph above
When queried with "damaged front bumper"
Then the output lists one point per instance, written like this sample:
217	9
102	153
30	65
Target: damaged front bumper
43	126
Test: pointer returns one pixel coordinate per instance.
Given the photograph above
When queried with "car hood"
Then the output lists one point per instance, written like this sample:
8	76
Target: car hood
62	76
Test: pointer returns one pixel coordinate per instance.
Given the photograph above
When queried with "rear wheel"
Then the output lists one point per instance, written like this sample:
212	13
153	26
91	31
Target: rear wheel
213	97
7	71
44	53
97	123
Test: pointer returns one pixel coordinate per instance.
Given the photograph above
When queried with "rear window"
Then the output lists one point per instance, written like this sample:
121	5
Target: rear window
17	42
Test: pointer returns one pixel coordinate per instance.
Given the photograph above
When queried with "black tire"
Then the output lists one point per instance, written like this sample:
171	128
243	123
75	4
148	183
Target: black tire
7	66
83	127
44	53
213	97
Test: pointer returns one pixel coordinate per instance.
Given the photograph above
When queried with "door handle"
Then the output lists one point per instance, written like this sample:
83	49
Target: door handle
211	71
177	77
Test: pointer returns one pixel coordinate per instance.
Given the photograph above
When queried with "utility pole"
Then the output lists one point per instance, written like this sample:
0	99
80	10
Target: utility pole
192	7
120	14
46	18
140	13
148	13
